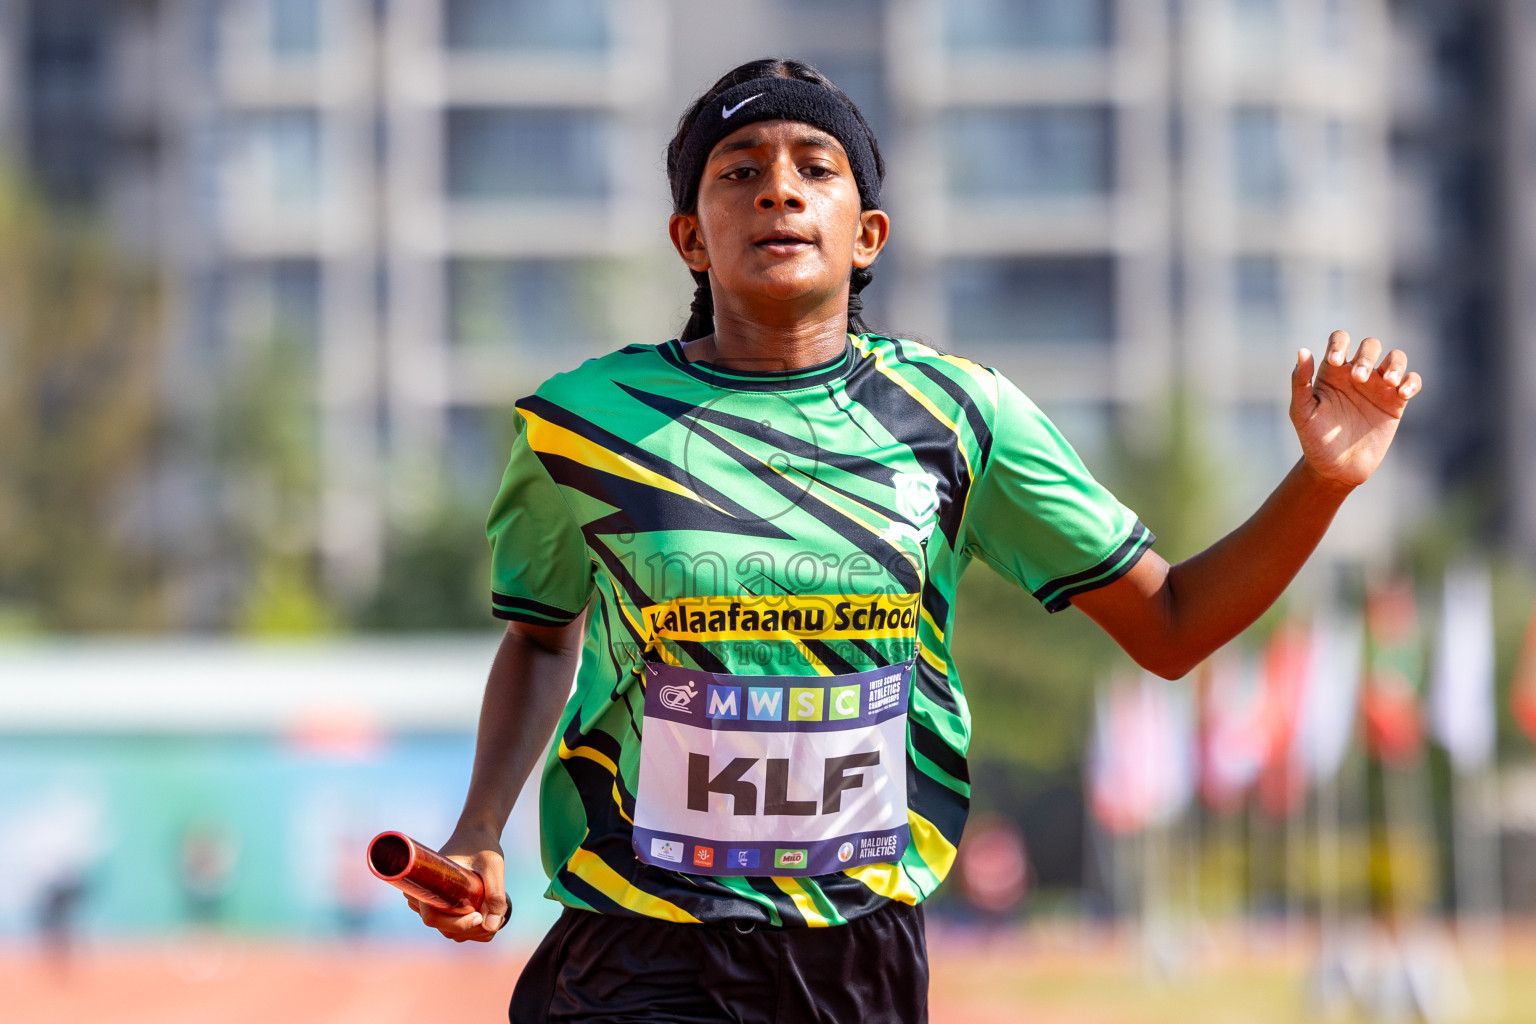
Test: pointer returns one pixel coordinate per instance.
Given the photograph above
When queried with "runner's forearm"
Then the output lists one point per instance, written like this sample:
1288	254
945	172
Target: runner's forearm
1215	595
1171	618
529	681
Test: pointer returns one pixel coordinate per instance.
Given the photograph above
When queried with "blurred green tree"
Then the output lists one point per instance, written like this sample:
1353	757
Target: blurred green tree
266	451
1029	675
437	574
79	422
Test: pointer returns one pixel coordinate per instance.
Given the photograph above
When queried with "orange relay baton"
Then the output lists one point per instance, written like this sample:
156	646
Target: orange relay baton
422	872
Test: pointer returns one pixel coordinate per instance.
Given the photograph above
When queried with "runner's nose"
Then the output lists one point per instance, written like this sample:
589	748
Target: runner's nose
781	187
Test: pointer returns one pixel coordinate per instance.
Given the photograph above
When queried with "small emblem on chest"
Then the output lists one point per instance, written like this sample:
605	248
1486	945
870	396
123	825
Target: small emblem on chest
917	498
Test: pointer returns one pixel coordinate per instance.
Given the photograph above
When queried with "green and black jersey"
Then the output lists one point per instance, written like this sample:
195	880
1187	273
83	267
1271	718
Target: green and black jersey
813	522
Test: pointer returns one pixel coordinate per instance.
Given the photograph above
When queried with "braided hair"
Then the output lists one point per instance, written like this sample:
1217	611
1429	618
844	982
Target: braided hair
701	319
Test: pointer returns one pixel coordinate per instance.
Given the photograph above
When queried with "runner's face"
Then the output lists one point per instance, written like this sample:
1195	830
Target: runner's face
779	217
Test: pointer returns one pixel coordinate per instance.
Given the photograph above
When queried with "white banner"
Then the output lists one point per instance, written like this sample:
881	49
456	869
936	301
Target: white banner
772	775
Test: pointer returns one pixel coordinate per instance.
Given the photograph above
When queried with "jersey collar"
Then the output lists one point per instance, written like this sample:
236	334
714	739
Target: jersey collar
761	380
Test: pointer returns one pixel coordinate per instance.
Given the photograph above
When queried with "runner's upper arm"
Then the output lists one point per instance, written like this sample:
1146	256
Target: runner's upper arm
1136	610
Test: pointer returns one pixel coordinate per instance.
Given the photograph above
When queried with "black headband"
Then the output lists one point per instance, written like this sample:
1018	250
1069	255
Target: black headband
769	99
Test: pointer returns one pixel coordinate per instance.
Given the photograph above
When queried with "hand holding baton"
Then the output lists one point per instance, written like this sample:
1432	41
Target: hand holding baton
424	874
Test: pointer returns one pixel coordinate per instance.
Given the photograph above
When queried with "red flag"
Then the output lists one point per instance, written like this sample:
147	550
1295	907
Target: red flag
1287	665
1522	691
1394	726
1118	789
1233	740
1141	762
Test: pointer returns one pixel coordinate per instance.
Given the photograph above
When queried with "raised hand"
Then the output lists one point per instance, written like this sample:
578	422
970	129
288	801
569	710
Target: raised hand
1346	417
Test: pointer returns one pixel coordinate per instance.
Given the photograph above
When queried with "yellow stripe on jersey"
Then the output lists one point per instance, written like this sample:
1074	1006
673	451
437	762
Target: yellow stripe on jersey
812	488
925	402
937	662
810	656
619	802
638	628
591	754
980	374
938	630
551	438
803	902
593	870
983	377
937	852
887	880
598	757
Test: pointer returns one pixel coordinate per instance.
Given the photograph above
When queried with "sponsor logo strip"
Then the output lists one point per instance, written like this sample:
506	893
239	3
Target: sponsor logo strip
724	857
776	703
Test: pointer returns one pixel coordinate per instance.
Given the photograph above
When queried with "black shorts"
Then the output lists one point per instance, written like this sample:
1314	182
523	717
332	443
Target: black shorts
601	969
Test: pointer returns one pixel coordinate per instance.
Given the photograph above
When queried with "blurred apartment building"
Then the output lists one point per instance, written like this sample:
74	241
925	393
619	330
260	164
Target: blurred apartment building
444	201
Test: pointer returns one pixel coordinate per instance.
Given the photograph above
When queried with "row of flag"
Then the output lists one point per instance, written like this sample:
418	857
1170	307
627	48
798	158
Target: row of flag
1271	727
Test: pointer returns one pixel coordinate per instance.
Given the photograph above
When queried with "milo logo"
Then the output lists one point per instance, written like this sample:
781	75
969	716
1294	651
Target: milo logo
789	858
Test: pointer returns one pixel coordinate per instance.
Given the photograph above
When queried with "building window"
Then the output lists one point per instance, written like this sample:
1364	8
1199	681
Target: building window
505	153
862	78
293	27
526	303
1027	24
1258	432
1338	151
864	8
1341	290
1031	299
1033	153
207	299
1258	156
295	290
66	61
477	450
284	151
1089	427
1259	296
525	25
1337	18
1259	26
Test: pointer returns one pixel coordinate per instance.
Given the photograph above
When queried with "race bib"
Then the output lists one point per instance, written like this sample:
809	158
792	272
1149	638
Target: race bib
772	775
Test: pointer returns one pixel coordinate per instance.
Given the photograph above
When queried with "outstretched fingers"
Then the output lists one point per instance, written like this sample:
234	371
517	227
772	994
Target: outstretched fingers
1365	360
1301	382
1338	348
1394	366
1396	375
1385	380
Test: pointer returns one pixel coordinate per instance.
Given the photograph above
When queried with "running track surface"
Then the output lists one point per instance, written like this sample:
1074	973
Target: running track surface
232	982
1020	978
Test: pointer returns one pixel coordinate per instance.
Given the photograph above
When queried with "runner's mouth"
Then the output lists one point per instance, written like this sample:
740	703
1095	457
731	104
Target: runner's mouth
782	244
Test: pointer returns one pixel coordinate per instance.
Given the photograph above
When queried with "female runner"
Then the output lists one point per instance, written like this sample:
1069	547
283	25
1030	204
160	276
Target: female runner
751	536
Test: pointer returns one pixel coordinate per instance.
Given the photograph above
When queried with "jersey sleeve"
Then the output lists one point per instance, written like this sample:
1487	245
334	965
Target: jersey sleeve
540	569
1037	515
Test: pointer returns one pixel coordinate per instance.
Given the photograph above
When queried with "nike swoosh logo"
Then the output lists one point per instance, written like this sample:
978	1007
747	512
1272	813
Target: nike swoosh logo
726	112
